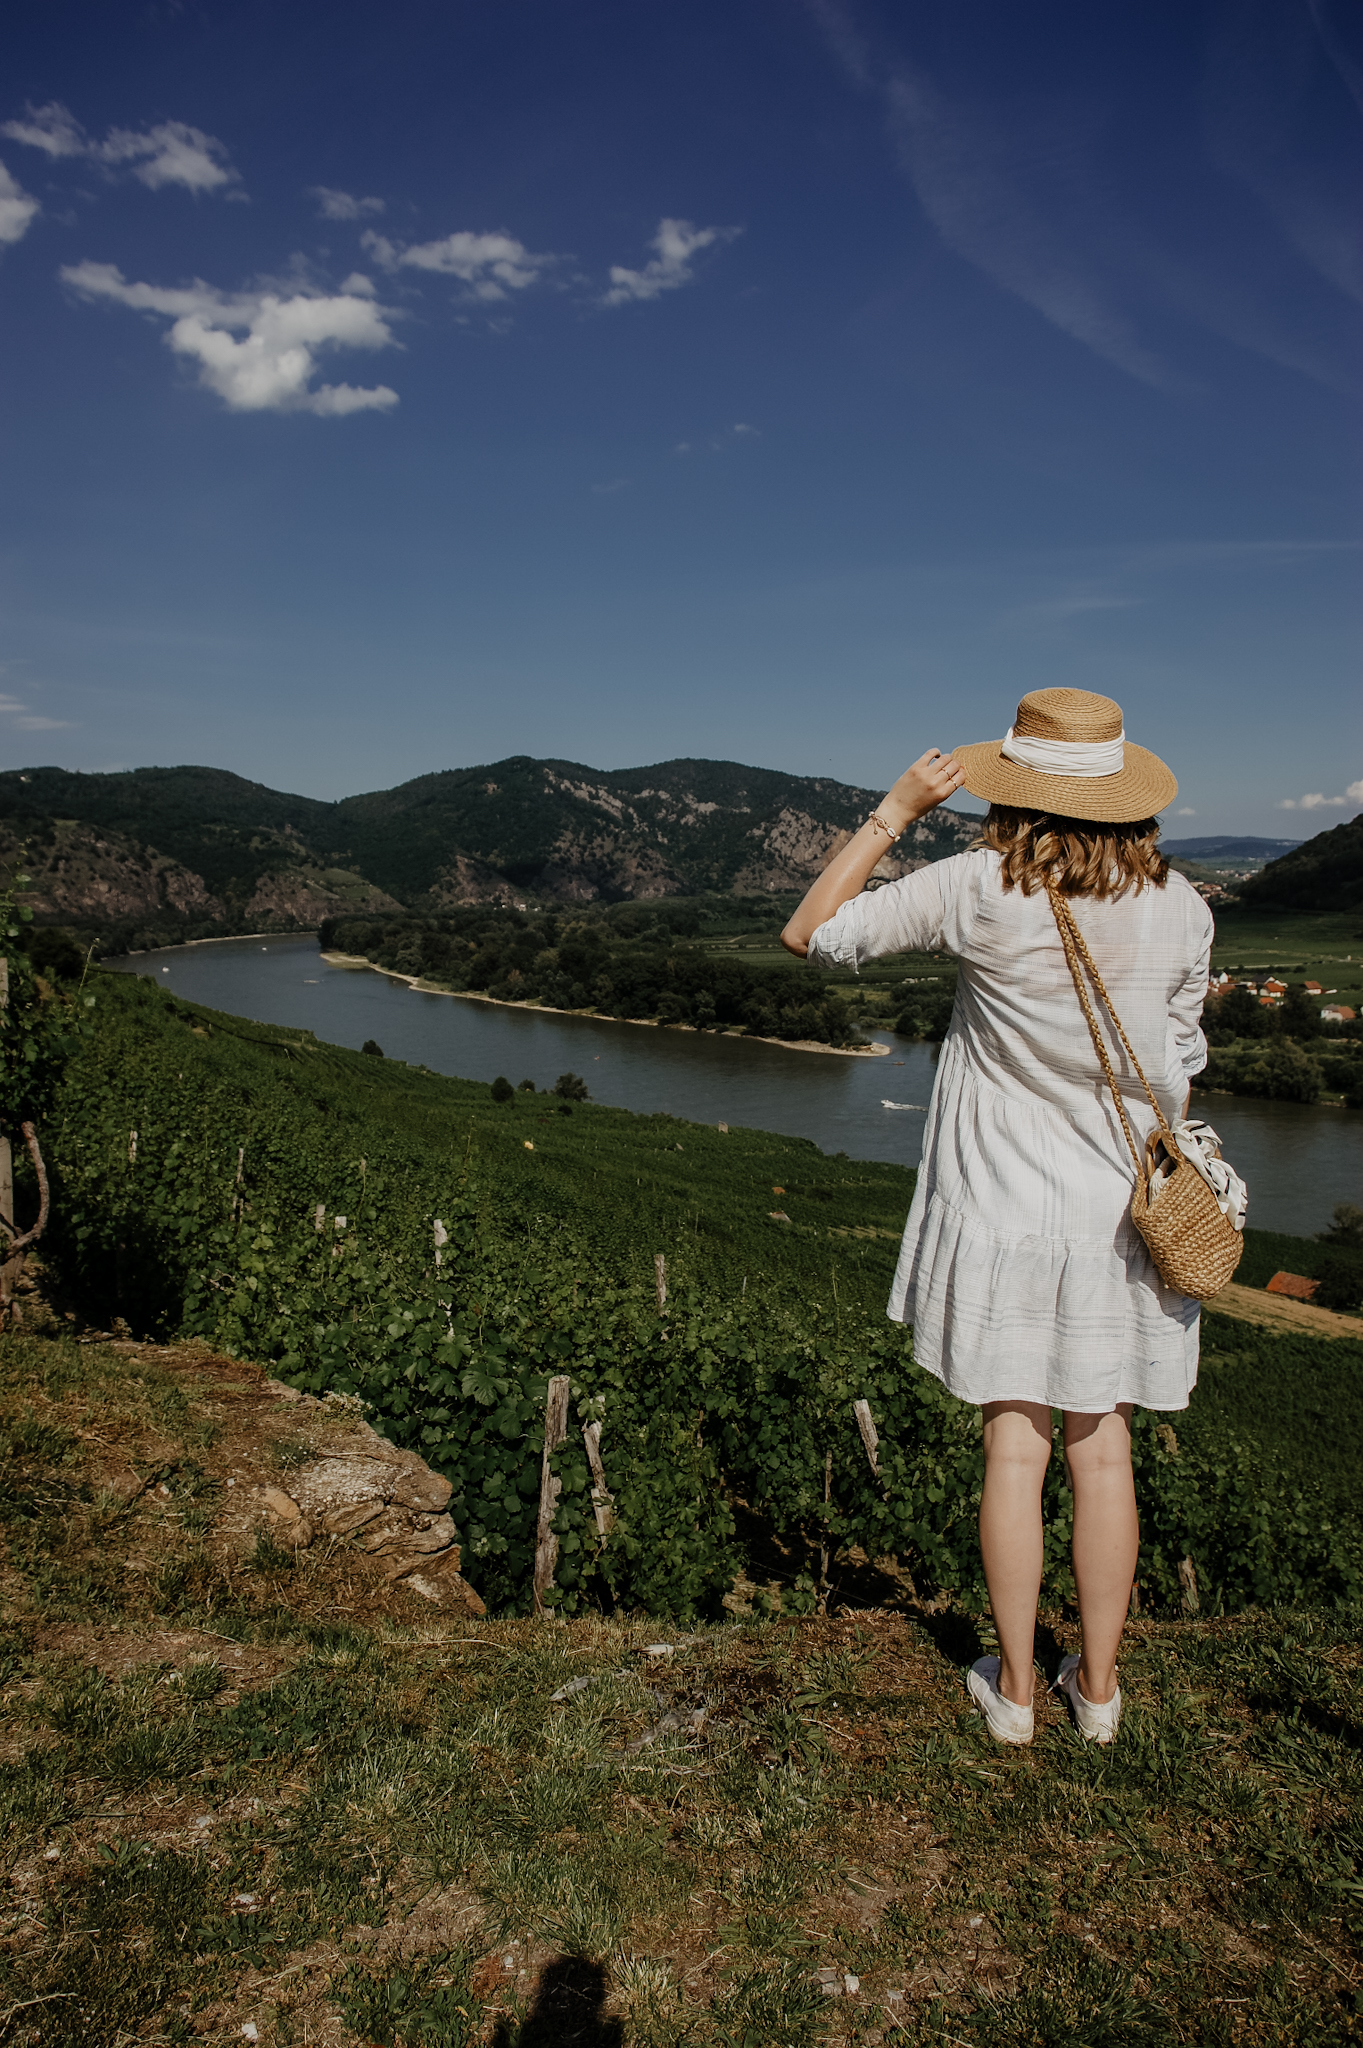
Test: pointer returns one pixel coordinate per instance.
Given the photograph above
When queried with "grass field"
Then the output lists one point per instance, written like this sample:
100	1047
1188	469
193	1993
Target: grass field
1295	944
246	1794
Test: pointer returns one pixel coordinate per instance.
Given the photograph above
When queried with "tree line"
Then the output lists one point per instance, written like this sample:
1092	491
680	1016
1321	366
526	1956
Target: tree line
644	969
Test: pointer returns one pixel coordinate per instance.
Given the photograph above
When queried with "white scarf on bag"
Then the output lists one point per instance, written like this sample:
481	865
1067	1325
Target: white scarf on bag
1201	1147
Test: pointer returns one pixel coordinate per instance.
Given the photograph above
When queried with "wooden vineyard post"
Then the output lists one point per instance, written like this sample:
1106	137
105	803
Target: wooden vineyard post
603	1504
546	1542
660	1280
870	1440
1187	1579
7	1211
6	1175
823	1547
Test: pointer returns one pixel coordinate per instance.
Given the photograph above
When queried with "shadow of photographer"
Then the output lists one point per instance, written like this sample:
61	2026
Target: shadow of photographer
568	2010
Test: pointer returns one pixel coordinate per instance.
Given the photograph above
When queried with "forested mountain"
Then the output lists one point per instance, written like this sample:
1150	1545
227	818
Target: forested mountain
1323	874
199	849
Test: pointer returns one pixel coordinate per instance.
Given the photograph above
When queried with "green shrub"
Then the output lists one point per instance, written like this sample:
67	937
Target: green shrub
1276	1069
1341	1282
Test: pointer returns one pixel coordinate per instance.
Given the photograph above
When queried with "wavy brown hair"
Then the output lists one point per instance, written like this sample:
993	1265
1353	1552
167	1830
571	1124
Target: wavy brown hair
1082	856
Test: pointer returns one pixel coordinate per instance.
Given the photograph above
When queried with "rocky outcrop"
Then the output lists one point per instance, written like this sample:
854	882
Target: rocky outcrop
81	875
796	847
467	880
301	897
386	1501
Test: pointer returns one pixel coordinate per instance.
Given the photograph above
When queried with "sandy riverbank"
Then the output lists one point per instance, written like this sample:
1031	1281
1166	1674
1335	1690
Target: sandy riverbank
468	995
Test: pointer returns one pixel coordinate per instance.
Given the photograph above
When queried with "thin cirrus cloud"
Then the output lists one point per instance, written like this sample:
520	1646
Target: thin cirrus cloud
335	205
18	209
969	171
1316	802
171	153
256	350
491	265
1256	123
24	720
677	242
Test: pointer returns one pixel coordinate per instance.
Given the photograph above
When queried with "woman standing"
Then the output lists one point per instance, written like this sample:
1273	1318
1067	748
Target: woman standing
1025	1280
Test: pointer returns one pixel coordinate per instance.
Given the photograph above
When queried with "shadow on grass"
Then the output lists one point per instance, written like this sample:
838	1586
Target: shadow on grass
953	1635
567	2012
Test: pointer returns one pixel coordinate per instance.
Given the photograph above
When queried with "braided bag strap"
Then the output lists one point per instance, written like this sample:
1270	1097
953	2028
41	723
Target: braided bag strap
1072	939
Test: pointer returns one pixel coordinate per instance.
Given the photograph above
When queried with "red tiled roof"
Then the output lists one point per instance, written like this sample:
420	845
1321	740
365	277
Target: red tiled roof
1294	1284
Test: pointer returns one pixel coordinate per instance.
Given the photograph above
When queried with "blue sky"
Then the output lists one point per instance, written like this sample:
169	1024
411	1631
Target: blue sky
778	380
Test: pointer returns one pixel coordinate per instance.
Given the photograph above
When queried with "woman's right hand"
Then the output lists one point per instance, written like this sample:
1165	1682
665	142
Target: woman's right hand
932	779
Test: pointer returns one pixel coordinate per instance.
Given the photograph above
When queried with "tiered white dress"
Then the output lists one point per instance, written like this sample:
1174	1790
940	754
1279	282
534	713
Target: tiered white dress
1021	1271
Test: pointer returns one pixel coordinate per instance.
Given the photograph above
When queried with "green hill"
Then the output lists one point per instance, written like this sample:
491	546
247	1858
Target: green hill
1325	874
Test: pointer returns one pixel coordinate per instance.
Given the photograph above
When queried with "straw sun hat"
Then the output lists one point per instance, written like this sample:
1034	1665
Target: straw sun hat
1066	753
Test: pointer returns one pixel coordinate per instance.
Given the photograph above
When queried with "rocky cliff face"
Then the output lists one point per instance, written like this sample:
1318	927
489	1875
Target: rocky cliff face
83	876
299	898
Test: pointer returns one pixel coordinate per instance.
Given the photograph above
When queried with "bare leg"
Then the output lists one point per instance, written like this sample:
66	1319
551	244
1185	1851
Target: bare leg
1106	1540
1017	1446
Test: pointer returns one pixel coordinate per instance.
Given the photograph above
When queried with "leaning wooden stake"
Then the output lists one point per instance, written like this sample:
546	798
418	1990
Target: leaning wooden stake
546	1542
862	1411
660	1279
603	1503
1187	1578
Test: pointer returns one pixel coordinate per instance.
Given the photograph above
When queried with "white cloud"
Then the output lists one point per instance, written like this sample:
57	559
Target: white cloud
1186	812
490	265
1354	792
1316	802
257	350
33	724
172	153
17	209
53	129
676	242
334	205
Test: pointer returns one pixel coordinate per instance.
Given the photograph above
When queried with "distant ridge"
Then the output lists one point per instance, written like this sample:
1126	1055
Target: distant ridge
1228	849
189	851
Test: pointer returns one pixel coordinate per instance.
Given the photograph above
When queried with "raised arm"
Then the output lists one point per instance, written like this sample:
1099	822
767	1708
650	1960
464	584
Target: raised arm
919	790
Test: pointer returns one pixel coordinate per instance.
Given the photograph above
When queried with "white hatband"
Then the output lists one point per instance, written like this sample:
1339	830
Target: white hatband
1066	757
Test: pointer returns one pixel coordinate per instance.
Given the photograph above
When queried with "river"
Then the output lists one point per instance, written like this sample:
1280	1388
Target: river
1298	1162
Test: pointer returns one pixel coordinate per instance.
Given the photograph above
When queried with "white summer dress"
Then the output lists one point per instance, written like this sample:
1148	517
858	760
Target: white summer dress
1021	1271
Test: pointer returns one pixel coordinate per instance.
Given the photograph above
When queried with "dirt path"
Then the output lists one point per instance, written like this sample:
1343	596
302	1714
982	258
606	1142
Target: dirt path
1280	1312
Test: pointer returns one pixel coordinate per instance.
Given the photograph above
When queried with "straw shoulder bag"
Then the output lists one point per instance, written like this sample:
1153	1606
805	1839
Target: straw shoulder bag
1194	1246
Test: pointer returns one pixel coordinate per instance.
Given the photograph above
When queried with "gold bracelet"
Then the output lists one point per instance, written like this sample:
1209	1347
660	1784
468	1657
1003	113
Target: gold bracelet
880	825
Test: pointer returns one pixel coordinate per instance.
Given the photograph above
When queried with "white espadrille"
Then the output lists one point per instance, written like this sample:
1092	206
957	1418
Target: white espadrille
1095	1723
1008	1722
